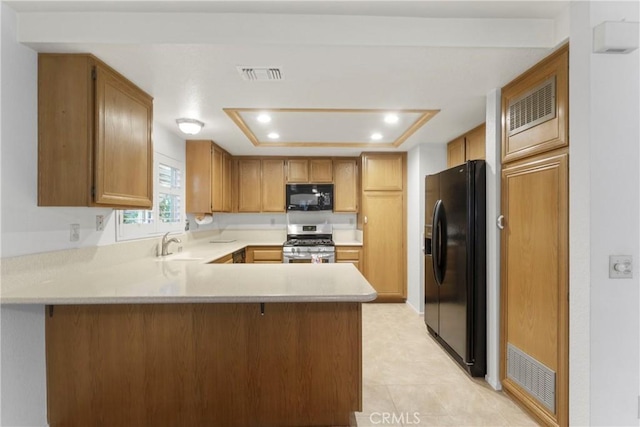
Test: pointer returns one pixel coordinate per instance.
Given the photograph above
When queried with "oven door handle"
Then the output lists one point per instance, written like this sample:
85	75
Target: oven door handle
308	256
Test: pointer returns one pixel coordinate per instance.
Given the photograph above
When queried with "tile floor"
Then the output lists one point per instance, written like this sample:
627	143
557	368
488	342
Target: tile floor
408	380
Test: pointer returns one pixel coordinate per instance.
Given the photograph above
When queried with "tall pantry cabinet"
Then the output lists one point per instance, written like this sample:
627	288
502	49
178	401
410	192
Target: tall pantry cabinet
534	243
383	221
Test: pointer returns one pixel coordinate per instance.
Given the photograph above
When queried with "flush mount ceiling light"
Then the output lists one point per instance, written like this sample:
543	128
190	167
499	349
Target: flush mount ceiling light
391	118
190	126
273	135
376	136
264	118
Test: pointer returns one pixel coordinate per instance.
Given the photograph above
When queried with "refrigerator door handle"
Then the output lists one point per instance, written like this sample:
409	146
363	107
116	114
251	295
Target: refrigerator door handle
500	222
437	242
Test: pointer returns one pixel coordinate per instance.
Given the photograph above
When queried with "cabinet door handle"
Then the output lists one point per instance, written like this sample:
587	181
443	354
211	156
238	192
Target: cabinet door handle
366	220
500	222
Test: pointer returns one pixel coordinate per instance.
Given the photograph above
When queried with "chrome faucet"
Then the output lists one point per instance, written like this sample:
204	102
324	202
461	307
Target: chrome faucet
165	244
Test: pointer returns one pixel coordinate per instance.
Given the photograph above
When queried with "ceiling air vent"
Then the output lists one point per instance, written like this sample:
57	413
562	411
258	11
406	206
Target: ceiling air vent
533	107
260	74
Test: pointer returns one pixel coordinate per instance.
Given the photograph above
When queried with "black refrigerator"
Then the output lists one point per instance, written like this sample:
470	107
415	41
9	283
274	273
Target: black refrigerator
455	263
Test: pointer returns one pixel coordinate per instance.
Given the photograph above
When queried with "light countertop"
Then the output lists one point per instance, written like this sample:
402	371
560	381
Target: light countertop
186	277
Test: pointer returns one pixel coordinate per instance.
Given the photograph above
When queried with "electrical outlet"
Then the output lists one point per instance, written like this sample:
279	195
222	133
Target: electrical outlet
99	222
273	221
74	235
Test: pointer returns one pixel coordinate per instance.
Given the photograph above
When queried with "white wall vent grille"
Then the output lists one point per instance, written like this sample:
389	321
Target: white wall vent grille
533	107
260	73
533	376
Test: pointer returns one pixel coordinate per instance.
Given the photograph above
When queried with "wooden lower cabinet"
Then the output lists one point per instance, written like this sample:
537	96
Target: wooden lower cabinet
384	244
352	254
264	254
227	259
534	278
212	365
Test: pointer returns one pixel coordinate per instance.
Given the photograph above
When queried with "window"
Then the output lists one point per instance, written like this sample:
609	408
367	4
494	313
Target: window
168	210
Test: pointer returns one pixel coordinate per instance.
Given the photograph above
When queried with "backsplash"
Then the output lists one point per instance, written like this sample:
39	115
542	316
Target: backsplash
276	221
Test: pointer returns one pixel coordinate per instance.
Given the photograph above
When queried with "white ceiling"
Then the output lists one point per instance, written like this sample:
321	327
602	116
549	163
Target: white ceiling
341	55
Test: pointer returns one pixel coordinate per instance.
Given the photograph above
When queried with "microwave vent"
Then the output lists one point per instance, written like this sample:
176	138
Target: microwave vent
260	74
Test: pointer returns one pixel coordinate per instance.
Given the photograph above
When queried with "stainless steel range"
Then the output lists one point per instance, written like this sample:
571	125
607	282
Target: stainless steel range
309	244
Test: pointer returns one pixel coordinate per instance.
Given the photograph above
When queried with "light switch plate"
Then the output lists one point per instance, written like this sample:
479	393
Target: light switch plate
620	267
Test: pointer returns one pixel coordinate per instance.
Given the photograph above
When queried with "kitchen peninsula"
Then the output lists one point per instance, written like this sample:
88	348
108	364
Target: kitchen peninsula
179	342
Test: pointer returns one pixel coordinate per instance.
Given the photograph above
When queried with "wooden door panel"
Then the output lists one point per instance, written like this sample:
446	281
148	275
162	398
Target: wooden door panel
456	153
249	187
345	186
273	186
320	171
384	244
124	152
382	172
535	267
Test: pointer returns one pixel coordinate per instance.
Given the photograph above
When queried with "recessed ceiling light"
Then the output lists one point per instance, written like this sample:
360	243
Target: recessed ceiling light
190	126
273	135
376	136
264	118
391	118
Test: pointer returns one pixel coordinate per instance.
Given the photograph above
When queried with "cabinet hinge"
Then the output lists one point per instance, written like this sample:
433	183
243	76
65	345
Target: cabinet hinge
94	74
93	192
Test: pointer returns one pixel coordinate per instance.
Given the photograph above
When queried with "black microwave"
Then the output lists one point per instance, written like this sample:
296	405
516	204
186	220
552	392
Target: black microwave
309	197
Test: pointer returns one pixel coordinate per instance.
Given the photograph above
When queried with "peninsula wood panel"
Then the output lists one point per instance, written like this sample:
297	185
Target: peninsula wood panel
534	271
345	188
204	364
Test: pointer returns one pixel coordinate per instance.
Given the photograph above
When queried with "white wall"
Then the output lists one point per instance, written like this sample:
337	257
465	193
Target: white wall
493	169
614	223
579	208
22	366
27	228
422	160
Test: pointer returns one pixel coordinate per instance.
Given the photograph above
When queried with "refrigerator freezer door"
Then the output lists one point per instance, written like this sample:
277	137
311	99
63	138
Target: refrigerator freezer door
454	290
431	299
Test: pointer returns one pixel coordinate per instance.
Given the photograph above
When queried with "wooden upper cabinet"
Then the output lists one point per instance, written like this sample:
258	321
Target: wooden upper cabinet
475	143
456	152
227	182
273	185
470	146
314	171
94	135
249	185
345	188
320	171
382	172
535	109
208	178
297	170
